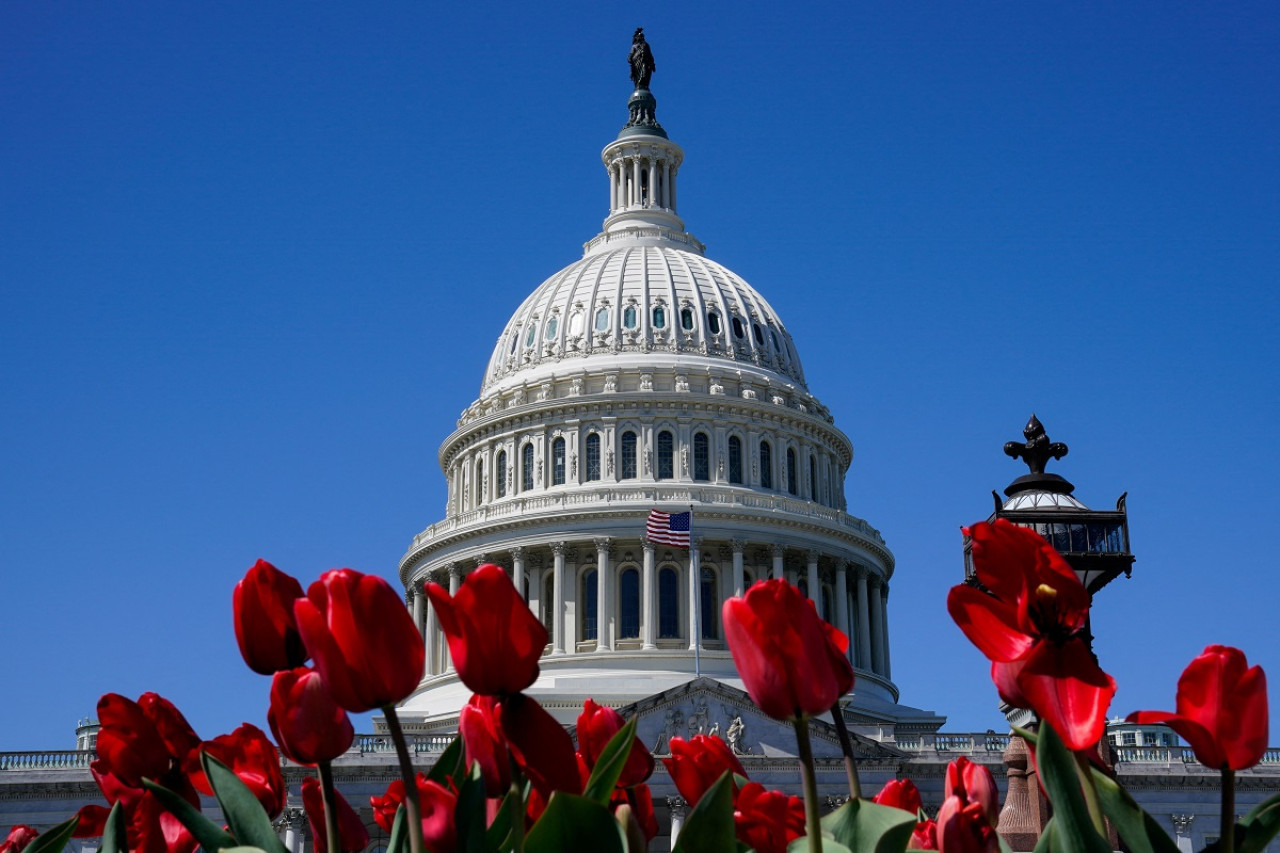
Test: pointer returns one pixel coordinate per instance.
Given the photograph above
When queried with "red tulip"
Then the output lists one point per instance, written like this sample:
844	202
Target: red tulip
899	794
973	783
1222	709
495	641
695	765
253	758
19	837
437	804
485	744
266	629
145	739
924	836
539	745
1030	624
363	640
792	663
352	834
596	726
306	722
964	828
767	820
640	800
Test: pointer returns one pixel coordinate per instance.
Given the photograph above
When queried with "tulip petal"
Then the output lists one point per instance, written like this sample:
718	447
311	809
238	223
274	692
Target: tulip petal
1066	687
989	623
539	744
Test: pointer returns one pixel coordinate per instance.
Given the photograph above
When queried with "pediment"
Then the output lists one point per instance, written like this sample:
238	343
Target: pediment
710	707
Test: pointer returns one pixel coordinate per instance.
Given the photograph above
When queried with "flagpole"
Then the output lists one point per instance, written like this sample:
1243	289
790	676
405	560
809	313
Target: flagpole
695	566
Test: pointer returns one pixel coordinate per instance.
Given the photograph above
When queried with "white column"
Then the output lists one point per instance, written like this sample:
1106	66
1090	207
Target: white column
877	626
455	581
677	806
842	602
884	629
557	581
416	592
517	571
779	551
695	583
649	599
653	183
430	638
739	545
635	180
864	621
613	187
671	192
604	596
666	184
815	587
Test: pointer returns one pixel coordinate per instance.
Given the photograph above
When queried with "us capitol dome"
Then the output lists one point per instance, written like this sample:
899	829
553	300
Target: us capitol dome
644	376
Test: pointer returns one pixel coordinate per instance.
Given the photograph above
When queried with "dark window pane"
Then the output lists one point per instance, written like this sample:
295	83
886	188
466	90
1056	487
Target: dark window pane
701	457
500	475
593	456
557	462
791	470
526	473
590	588
629	604
668	604
766	465
710	605
628	455
735	459
666	456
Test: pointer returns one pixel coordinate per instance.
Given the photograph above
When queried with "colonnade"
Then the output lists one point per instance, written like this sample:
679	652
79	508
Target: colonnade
608	594
642	181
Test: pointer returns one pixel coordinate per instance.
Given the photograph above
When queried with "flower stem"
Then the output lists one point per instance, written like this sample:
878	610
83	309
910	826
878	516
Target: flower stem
330	808
1228	820
1090	792
813	827
517	814
412	807
846	746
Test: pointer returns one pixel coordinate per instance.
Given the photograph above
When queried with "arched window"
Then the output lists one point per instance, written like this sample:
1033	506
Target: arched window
813	478
479	482
668	603
500	475
593	456
701	457
526	468
590	600
628	455
666	455
791	470
735	459
710	605
686	319
557	462
548	602
766	465
629	604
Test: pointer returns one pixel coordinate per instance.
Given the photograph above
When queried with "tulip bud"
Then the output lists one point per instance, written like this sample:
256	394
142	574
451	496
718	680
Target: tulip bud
309	726
596	726
19	837
351	832
695	765
266	629
973	783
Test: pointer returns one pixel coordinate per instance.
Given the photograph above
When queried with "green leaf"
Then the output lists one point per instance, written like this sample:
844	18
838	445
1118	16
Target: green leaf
52	840
1138	830
242	850
244	814
452	764
609	766
500	830
709	826
1256	829
866	827
1057	768
207	834
575	823
115	835
398	841
1045	843
801	845
469	815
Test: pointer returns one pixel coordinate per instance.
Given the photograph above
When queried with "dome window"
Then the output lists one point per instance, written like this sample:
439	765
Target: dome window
531	336
602	320
686	319
774	337
628	455
759	333
515	341
575	323
557	462
629	317
735	459
551	328
701	457
739	331
666	455
659	317
713	322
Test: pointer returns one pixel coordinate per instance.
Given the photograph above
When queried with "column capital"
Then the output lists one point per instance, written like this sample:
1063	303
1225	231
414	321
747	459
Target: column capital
517	552
602	544
860	572
646	543
874	580
677	806
778	549
812	555
738	545
558	548
481	559
454	570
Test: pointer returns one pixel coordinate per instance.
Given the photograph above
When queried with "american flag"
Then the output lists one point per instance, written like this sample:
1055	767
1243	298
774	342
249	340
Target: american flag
669	528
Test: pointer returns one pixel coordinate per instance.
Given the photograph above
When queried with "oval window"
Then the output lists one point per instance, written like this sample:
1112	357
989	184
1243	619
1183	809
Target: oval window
551	328
602	320
738	329
686	319
629	317
659	317
575	323
532	336
759	333
713	322
774	336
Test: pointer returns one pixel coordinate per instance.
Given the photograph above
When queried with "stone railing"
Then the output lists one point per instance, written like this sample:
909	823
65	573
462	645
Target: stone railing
48	759
421	744
643	497
979	743
1175	755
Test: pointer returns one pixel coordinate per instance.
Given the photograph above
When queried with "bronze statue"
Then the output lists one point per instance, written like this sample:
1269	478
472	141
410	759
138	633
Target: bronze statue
641	60
1038	449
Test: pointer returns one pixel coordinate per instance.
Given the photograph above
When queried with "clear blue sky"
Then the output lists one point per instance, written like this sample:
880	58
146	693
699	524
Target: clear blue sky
254	257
